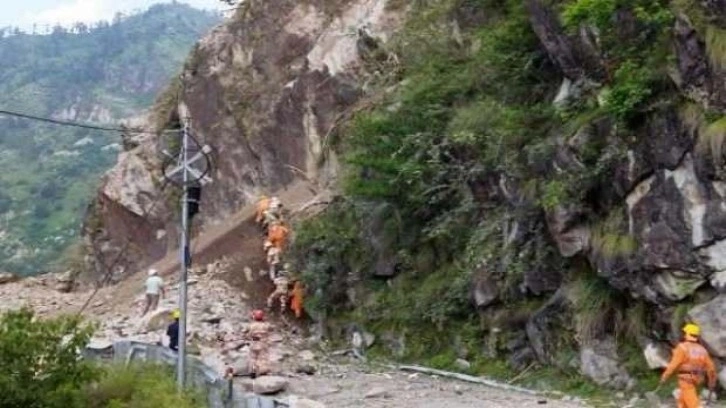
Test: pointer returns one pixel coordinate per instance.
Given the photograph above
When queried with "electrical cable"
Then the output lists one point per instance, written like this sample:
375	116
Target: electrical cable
109	269
58	122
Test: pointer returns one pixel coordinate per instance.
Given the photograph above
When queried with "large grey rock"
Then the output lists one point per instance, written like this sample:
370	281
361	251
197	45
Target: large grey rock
484	291
266	385
712	319
568	231
565	51
718	281
543	327
599	362
157	319
677	285
378	392
656	355
696	77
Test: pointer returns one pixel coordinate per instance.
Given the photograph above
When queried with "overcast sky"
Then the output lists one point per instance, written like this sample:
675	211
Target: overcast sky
25	13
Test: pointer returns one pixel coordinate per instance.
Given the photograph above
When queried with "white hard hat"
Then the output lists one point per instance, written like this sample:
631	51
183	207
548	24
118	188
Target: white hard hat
152	272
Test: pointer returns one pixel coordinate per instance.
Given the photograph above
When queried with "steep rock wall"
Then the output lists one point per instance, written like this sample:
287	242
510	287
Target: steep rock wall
265	90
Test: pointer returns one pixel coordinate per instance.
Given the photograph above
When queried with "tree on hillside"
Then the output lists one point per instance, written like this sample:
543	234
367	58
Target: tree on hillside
39	361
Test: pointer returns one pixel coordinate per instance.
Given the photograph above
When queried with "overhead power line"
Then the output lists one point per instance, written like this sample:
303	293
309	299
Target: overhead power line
119	129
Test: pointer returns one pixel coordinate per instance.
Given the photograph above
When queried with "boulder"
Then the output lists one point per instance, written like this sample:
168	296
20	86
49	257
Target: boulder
656	355
718	281
712	319
362	340
378	392
270	384
241	366
7	277
571	236
462	364
599	362
722	377
484	292
676	285
558	45
158	319
543	326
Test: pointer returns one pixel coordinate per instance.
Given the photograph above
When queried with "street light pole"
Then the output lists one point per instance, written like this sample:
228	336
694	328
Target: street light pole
184	262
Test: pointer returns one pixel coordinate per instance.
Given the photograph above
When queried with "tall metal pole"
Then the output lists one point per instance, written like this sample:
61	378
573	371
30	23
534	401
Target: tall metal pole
184	263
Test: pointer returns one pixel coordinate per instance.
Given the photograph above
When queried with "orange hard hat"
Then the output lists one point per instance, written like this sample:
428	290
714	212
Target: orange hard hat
258	315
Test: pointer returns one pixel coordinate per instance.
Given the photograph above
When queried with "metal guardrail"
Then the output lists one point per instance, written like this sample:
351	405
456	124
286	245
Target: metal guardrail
220	392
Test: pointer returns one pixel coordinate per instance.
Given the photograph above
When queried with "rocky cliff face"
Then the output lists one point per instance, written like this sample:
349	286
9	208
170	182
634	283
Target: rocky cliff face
265	90
268	89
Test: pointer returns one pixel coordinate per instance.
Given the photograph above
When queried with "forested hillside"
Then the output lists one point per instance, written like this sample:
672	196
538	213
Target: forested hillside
101	74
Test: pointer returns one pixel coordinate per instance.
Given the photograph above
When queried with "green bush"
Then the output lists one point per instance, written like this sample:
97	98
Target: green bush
140	386
40	363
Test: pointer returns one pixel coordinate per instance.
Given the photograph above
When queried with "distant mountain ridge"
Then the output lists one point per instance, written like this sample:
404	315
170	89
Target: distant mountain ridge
100	73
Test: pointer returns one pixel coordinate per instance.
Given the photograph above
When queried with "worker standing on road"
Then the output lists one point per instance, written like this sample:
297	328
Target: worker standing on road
154	291
693	365
172	331
258	334
277	235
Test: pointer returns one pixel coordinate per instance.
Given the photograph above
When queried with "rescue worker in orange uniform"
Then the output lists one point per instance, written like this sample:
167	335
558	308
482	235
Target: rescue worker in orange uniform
296	301
692	364
258	334
277	235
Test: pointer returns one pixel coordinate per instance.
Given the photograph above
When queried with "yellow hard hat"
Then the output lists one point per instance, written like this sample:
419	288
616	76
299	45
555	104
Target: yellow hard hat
692	329
176	314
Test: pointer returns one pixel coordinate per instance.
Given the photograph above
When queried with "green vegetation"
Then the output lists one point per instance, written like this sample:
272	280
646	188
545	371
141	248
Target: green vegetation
96	74
40	361
139	386
470	121
42	369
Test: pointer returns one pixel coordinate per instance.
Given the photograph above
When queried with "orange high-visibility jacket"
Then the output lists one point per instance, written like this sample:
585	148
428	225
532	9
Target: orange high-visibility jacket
277	235
296	301
692	363
262	206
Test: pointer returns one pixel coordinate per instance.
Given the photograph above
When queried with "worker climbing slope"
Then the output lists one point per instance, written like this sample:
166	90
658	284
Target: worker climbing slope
296	298
273	259
278	234
282	288
693	366
273	213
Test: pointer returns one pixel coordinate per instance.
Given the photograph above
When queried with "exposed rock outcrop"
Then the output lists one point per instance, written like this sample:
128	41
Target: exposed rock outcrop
265	90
